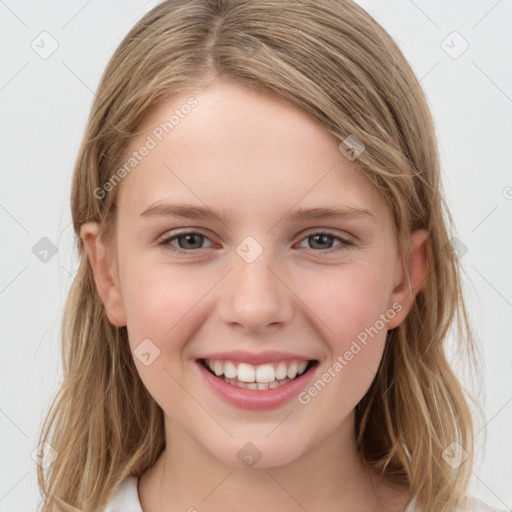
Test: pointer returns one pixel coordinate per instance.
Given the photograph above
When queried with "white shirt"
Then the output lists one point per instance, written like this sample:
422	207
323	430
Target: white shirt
126	499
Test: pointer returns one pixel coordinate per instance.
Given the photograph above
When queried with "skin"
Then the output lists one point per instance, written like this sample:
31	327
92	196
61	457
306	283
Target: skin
258	157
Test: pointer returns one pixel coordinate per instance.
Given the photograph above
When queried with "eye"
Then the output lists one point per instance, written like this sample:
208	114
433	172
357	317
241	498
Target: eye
321	239
188	241
188	238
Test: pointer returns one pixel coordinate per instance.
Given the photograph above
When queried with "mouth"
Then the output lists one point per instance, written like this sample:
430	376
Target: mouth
263	377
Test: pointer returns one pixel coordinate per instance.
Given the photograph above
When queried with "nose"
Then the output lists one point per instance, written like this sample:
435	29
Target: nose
255	296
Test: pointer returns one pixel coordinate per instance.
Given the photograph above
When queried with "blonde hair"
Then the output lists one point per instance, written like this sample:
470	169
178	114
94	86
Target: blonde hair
333	61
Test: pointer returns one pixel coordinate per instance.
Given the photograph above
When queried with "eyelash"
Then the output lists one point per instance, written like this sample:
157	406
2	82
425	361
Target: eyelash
166	242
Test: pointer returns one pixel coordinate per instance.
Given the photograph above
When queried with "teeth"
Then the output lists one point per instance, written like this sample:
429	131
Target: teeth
281	371
229	370
265	373
246	372
256	385
217	368
265	376
292	371
301	367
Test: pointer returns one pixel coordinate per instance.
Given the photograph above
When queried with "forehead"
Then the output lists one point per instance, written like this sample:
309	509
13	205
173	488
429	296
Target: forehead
232	146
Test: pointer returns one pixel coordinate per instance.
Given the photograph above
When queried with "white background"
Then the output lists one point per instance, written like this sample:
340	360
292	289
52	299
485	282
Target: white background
44	106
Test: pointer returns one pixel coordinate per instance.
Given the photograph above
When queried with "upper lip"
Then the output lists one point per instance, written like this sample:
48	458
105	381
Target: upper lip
255	358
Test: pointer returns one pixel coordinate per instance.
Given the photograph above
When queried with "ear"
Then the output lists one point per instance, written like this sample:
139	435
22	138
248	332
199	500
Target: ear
105	274
411	280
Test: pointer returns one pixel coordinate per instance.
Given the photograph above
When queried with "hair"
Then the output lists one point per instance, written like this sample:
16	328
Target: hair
334	62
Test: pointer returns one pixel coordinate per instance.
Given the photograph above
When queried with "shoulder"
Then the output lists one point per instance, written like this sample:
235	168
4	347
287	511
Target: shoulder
125	497
471	504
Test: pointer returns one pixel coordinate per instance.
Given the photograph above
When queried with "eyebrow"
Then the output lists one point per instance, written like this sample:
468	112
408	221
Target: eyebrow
204	212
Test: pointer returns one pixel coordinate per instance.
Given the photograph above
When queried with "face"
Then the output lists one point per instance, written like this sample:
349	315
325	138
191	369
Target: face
260	286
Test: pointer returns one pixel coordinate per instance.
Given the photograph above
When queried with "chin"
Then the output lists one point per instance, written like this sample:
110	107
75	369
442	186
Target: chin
258	454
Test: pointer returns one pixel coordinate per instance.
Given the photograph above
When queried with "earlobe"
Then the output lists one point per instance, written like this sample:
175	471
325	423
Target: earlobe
104	275
413	280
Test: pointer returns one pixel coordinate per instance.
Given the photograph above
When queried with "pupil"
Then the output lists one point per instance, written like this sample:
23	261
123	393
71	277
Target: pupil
322	238
191	236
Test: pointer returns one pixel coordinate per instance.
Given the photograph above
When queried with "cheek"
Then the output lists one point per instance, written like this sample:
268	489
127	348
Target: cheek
160	304
353	308
351	302
161	312
355	313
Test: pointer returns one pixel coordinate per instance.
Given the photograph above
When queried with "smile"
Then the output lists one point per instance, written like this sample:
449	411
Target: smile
257	386
261	377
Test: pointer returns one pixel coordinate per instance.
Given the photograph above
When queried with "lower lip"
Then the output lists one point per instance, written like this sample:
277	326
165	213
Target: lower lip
253	398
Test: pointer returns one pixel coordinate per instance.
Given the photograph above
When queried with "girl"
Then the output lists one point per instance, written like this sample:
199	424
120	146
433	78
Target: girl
260	369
